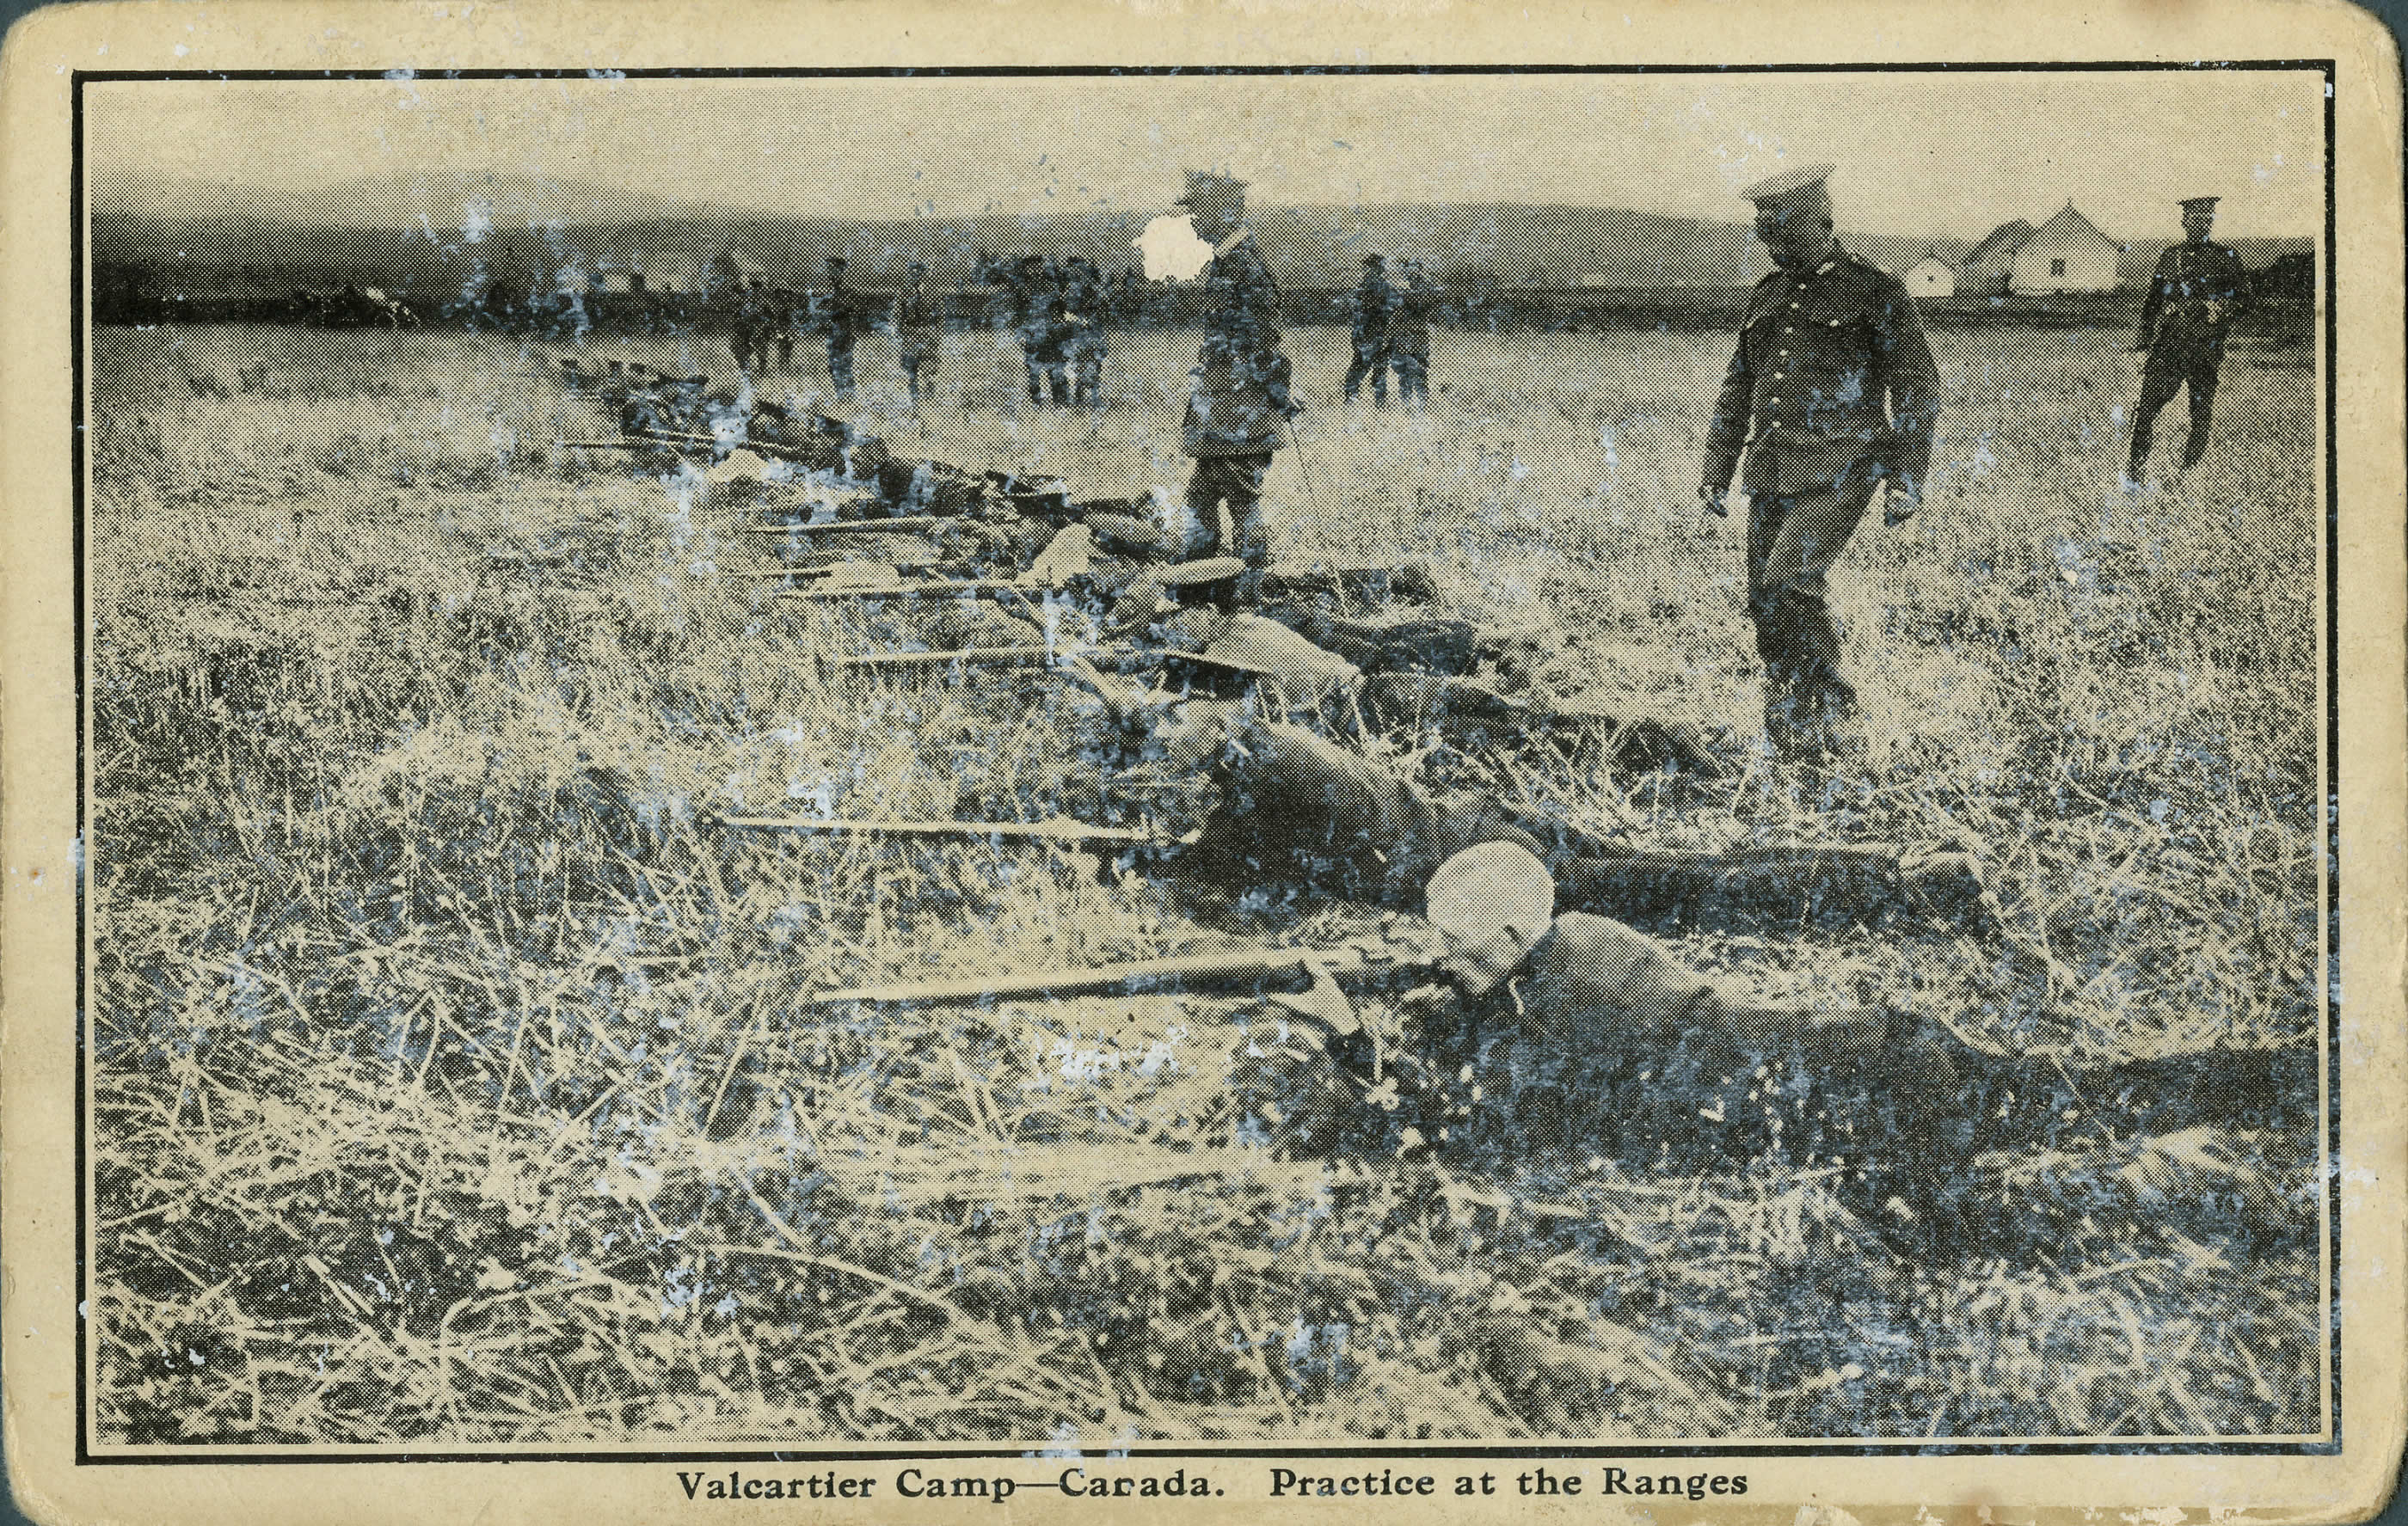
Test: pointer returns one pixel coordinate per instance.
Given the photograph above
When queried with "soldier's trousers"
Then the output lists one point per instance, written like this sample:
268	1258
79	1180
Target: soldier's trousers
1370	360
918	370
2159	380
1087	373
1237	482
841	369
1792	541
1413	375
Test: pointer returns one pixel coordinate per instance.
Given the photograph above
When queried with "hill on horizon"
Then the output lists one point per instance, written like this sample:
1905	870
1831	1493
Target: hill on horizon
375	232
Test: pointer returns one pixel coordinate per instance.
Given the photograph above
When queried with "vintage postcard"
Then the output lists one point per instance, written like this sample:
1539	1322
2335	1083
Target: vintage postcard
861	763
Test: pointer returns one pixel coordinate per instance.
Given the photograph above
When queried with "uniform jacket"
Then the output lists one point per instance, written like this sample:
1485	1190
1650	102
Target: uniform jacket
1241	299
2194	297
1374	300
1409	326
836	317
1240	405
919	316
1831	380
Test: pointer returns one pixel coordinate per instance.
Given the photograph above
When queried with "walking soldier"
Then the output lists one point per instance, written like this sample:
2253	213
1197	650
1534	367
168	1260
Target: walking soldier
1826	342
1374	300
2198	290
839	323
919	330
1086	296
1408	335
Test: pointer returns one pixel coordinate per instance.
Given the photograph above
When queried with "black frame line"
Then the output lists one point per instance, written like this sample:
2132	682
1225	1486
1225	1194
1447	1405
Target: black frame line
2330	1444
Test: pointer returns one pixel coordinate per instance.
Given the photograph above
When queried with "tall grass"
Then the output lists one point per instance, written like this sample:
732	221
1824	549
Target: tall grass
453	1076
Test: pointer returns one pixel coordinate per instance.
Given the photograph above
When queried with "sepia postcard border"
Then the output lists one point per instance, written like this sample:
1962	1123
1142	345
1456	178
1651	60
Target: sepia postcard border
2328	1441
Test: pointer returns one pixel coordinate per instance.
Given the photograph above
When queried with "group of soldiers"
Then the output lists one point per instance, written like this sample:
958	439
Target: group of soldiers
1829	400
764	319
1392	332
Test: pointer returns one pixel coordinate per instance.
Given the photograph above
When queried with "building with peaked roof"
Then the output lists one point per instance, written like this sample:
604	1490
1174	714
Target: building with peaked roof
2067	253
1930	276
1993	260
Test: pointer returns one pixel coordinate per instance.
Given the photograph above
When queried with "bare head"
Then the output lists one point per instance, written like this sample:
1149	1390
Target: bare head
1492	904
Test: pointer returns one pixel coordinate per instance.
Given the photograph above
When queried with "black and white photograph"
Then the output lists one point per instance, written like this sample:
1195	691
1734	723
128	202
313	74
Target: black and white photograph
1219	766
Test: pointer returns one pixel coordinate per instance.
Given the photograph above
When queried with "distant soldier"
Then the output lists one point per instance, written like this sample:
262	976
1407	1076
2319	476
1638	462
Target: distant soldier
1088	298
1045	341
919	329
840	324
1033	290
1240	406
1374	300
2198	290
782	326
1408	333
744	319
1832	395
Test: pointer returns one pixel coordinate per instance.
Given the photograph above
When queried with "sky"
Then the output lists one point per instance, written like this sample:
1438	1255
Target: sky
1946	155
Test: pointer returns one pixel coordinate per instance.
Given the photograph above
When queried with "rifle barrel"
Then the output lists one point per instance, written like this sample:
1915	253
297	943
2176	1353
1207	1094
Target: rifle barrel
1067	832
980	656
903	524
1189	969
905	591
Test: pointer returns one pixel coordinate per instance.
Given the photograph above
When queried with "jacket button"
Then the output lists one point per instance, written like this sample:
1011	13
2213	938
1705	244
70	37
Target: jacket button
1776	402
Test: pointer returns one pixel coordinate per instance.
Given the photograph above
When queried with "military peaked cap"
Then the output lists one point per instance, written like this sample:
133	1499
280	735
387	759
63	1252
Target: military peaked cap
1788	183
1375	259
2205	204
1203	186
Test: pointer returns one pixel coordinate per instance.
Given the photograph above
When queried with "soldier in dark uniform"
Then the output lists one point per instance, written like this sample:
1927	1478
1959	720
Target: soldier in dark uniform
2199	288
1032	295
1087	296
1374	301
745	339
839	323
919	330
1831	395
1408	333
1240	403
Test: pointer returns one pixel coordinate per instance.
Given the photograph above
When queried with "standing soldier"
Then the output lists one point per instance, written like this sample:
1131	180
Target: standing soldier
1374	300
2199	288
744	339
1828	341
1085	292
1032	294
1240	403
782	326
1408	333
838	320
919	329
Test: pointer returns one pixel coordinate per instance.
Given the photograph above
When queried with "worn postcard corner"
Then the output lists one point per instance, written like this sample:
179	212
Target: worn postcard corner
883	763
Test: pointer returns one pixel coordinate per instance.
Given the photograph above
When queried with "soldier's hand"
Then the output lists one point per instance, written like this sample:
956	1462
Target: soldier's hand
1898	504
1718	501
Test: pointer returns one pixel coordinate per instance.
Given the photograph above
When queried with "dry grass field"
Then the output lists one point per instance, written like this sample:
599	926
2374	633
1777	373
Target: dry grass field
452	1083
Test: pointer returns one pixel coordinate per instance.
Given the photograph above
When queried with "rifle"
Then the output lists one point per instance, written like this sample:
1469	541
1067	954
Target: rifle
1119	659
1367	960
904	524
1058	830
975	587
